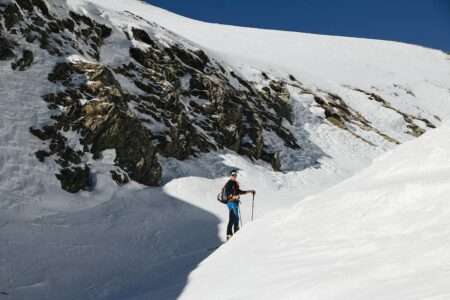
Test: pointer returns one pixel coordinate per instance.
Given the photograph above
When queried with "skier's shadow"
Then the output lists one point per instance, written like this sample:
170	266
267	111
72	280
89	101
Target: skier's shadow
139	247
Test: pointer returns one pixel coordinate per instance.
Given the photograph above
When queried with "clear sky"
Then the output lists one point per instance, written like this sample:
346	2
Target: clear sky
422	22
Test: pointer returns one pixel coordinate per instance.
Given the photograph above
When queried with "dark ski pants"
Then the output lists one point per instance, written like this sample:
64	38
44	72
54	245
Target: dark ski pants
233	222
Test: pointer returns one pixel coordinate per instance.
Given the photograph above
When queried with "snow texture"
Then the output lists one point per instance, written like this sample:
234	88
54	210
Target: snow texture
382	234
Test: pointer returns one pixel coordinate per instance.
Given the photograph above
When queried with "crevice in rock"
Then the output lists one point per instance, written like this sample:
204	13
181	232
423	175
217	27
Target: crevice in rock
414	129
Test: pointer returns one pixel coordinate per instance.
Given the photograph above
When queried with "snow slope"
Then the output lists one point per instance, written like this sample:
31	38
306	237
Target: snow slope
382	234
135	242
341	59
328	60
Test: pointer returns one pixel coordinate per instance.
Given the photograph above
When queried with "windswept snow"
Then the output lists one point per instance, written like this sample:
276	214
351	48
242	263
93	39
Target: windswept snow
337	59
141	244
382	234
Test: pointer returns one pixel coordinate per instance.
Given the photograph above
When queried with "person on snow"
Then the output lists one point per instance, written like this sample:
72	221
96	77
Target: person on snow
233	192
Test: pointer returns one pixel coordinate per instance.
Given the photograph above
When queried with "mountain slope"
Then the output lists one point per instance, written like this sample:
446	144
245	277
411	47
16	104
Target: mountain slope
341	60
108	68
409	78
382	234
101	101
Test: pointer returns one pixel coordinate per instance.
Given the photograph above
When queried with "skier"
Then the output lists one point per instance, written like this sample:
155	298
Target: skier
233	192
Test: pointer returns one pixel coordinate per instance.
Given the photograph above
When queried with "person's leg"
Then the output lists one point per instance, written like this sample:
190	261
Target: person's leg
230	224
236	219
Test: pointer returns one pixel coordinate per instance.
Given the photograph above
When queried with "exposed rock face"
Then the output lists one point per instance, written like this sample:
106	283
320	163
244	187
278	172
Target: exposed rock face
60	36
189	103
193	98
203	113
104	122
108	127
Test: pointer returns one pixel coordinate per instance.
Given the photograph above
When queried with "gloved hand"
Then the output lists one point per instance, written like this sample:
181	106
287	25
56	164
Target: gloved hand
235	198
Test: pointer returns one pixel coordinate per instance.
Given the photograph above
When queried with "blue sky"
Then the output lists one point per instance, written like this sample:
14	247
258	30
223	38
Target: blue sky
422	22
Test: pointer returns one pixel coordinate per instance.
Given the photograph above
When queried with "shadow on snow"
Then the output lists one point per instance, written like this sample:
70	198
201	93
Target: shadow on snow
140	245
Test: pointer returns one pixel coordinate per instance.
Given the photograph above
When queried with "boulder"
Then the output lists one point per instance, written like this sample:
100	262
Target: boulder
142	36
24	62
6	49
75	179
12	16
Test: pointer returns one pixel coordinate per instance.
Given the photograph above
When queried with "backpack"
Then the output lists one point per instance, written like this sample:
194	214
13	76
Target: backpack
222	197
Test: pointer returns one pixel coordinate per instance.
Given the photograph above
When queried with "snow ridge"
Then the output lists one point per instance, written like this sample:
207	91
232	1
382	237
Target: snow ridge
382	234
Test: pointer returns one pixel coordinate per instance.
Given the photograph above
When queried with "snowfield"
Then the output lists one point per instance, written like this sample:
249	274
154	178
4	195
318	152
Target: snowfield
342	60
382	234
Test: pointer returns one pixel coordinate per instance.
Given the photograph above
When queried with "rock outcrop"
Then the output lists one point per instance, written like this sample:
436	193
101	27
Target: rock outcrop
190	104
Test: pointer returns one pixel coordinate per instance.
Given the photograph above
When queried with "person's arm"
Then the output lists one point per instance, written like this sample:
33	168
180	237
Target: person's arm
242	192
247	192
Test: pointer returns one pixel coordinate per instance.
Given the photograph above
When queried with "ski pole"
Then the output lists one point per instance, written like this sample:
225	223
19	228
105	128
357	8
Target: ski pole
240	219
253	204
